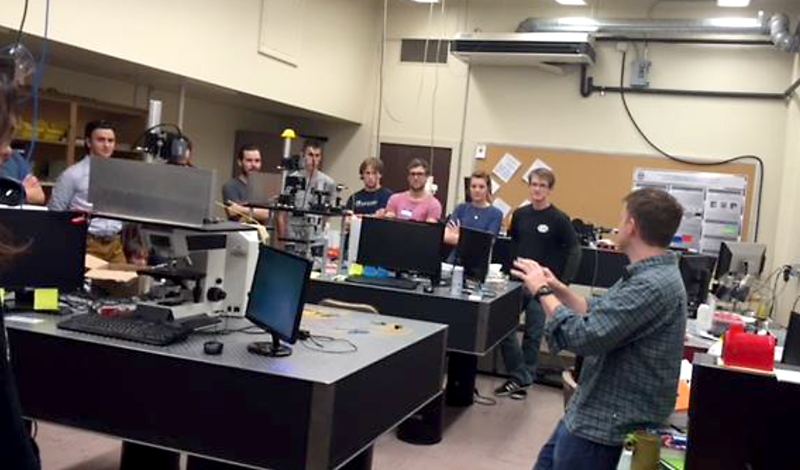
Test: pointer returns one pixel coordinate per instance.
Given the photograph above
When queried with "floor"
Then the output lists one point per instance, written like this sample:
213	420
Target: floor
506	436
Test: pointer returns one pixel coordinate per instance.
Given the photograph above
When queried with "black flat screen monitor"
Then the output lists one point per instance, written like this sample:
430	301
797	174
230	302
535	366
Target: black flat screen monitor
53	249
474	251
740	258
402	246
791	349
696	271
276	299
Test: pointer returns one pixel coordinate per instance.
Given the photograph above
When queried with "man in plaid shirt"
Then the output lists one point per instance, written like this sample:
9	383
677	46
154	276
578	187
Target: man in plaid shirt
631	338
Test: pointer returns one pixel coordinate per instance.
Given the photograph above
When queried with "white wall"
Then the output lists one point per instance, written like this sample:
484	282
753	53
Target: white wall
217	42
529	106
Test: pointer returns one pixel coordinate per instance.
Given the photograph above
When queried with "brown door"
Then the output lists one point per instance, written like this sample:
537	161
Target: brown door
396	158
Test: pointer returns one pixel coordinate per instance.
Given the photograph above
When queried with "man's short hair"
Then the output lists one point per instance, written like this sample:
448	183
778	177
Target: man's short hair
312	143
92	126
545	175
370	162
657	214
417	162
247	148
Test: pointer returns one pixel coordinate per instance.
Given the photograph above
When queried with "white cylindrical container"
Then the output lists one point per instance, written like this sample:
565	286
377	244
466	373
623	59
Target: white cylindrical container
458	281
705	317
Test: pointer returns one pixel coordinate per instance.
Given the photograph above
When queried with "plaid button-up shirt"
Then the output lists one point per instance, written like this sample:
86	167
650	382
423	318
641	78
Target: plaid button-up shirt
632	340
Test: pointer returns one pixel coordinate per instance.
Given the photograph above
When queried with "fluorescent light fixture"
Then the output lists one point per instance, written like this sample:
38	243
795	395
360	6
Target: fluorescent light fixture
735	22
426	1
733	3
572	2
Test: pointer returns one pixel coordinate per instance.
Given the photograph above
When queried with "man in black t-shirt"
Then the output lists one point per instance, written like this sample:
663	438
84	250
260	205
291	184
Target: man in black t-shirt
373	198
541	232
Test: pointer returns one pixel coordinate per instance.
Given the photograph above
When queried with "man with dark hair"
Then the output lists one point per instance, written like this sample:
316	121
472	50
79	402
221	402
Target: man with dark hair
315	178
416	203
543	233
71	192
372	199
631	339
234	191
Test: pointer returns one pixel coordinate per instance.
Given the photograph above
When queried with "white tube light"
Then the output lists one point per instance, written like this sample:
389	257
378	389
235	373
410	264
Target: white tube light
572	2
733	3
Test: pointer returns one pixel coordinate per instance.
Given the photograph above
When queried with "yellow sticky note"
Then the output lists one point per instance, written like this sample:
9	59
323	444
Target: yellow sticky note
45	299
2	296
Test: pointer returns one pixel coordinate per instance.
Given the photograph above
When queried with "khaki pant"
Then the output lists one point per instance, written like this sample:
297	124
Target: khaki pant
108	249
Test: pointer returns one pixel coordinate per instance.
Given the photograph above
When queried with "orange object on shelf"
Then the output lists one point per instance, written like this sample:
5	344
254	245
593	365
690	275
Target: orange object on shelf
682	403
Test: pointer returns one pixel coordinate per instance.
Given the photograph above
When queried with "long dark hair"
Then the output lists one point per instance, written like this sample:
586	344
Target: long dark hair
8	101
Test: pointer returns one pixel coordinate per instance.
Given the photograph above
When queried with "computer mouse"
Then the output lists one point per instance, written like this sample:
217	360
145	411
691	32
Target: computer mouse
428	289
212	347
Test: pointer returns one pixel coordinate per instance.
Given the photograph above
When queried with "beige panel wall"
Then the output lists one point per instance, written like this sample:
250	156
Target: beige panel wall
529	106
217	42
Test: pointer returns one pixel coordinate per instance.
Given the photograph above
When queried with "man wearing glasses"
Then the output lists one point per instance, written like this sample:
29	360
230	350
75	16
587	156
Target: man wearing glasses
415	204
541	232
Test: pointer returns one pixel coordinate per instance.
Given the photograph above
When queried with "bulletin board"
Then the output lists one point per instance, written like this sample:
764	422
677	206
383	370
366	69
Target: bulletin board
591	185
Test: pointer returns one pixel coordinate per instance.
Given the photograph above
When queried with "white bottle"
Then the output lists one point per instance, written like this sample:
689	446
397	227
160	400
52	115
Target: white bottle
457	281
705	317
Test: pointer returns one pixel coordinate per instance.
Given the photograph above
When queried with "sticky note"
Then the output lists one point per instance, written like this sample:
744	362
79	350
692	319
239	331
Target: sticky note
2	296
45	299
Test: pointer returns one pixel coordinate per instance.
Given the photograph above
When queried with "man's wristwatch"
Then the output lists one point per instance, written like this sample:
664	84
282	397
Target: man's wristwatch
544	290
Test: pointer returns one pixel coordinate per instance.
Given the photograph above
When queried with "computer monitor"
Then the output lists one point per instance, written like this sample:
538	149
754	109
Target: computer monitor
696	271
401	246
740	258
474	251
276	299
53	249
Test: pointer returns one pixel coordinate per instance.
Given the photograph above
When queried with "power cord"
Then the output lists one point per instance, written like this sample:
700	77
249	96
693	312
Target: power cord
22	23
319	344
483	400
693	162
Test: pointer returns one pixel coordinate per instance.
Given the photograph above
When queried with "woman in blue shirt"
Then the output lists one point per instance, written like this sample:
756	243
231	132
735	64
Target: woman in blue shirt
479	213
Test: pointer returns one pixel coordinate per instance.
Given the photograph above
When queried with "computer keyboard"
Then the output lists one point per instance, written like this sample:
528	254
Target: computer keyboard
405	284
131	329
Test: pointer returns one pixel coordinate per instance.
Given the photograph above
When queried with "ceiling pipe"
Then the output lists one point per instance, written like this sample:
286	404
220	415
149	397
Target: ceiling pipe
756	31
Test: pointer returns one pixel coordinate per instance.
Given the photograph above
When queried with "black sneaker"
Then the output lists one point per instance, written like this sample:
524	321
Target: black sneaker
510	388
520	394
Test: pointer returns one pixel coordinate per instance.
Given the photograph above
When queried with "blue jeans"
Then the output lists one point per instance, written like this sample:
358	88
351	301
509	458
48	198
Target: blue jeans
521	362
565	451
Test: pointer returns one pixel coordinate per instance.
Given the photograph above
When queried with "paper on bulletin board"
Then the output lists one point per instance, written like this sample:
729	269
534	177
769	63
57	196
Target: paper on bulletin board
524	203
535	166
501	204
495	186
506	167
480	152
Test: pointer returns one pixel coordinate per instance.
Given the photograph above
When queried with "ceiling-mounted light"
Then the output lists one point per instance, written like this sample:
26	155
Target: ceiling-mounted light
426	1
733	3
572	2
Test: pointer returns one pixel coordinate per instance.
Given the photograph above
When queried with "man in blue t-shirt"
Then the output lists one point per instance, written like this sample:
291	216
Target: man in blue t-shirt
18	168
373	198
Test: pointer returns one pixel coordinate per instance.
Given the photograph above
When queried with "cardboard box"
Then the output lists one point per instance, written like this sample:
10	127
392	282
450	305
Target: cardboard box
114	280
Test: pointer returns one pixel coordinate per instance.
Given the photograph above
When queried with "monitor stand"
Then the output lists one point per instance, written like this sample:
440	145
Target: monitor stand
272	348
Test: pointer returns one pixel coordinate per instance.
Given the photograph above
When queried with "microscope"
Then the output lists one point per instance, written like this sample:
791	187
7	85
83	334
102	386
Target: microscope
199	272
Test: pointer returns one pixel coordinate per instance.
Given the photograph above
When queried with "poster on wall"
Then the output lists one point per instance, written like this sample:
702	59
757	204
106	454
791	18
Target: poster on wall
538	163
713	205
506	167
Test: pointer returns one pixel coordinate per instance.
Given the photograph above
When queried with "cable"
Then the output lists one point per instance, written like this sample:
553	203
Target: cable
22	23
318	341
483	400
37	81
693	162
436	86
380	80
794	305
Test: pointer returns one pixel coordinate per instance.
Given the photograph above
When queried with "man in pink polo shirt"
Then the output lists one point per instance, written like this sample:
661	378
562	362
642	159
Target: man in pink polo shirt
416	203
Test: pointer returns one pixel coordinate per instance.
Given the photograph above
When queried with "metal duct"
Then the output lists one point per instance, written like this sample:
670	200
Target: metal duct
779	31
757	30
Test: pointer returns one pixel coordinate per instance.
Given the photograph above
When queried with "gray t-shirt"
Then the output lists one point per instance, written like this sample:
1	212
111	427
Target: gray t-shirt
235	190
319	181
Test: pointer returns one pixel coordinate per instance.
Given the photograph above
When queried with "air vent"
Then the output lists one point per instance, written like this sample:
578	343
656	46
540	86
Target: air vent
414	50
